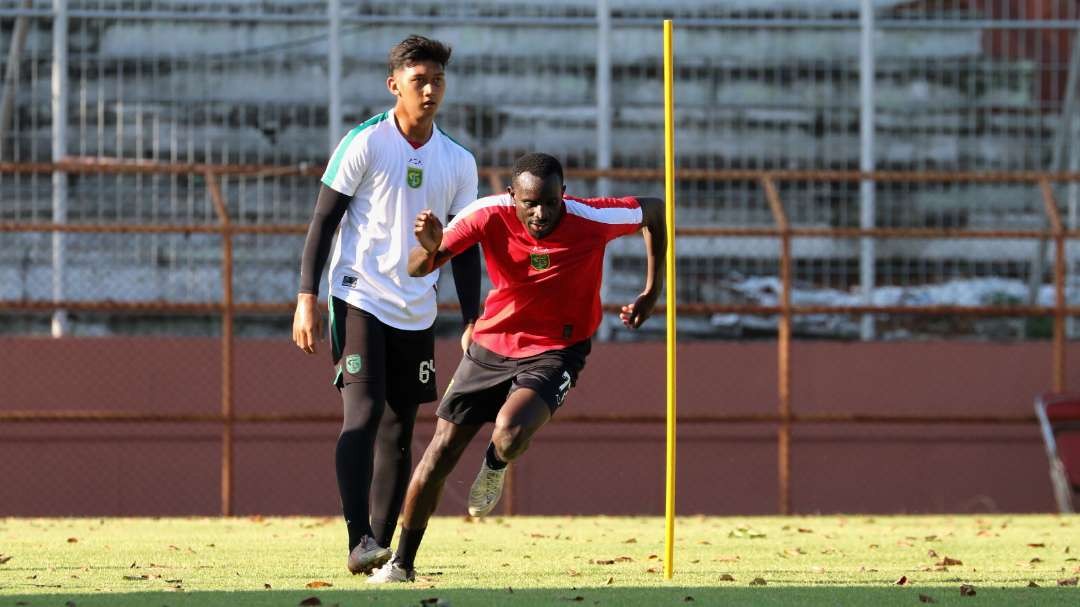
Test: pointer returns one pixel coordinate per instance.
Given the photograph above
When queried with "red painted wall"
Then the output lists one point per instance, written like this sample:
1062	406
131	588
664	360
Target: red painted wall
163	469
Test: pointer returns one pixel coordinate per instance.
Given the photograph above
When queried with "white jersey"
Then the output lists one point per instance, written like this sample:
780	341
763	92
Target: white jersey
391	182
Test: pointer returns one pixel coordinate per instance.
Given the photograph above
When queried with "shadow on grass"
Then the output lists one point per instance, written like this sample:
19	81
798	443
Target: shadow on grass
613	596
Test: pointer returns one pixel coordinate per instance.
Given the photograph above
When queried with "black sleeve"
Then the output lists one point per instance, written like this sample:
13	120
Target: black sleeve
466	268
329	209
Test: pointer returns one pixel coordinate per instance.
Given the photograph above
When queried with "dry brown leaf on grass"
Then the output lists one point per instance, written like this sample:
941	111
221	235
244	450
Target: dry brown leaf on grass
1032	584
967	590
610	581
602	562
311	600
758	582
805	530
902	580
926	598
73	540
1071	581
949	562
318	584
1038	545
727	577
623	559
267	586
632	540
4	558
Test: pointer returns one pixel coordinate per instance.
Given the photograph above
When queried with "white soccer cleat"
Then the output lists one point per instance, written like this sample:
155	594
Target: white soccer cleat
392	572
366	556
486	490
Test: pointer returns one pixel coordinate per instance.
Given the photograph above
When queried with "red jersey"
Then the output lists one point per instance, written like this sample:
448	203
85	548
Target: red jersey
545	292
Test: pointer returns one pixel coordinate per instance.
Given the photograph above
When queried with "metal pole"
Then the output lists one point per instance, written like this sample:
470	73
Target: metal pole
11	75
333	128
783	344
603	131
1057	160
1053	217
59	151
603	94
227	313
1073	193
866	160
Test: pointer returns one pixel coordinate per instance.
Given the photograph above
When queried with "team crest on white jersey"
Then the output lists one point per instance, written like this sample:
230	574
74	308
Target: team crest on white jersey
414	172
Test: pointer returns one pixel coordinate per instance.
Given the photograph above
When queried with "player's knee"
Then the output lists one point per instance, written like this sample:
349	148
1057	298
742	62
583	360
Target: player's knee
510	441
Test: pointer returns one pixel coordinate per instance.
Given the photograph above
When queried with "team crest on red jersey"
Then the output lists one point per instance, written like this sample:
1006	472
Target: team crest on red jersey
539	261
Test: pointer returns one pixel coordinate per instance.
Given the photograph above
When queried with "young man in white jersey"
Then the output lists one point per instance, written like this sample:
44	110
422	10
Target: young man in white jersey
545	257
384	172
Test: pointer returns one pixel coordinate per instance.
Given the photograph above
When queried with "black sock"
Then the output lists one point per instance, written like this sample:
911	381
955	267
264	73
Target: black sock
493	460
407	546
354	479
382	531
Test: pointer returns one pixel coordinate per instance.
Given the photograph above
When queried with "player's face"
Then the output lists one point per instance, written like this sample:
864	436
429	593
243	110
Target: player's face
419	87
539	202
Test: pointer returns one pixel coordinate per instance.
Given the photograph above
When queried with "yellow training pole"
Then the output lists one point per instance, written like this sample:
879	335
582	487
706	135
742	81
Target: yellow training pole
669	198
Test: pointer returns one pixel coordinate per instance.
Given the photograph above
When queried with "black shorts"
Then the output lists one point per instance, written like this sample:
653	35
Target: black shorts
394	362
484	379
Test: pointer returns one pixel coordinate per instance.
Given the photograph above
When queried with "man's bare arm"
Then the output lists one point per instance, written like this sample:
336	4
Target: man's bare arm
655	234
429	254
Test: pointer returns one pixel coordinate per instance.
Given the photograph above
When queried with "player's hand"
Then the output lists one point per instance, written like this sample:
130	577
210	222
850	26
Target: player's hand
466	337
428	230
635	314
307	323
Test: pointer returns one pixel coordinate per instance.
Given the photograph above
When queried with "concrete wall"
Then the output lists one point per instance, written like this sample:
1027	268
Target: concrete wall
160	469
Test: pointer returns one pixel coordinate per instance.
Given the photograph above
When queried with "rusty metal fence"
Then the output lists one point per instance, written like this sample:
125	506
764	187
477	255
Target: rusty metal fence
782	231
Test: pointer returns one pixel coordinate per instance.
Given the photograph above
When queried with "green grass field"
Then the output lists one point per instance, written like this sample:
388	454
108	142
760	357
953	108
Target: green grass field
833	560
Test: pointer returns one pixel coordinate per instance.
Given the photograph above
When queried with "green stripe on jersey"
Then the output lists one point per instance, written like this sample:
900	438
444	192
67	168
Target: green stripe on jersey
455	141
335	162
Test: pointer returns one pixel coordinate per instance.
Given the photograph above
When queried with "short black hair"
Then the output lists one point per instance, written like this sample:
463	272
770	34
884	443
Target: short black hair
541	165
416	49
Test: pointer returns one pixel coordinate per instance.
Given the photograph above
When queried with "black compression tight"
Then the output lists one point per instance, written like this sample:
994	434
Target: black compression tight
373	461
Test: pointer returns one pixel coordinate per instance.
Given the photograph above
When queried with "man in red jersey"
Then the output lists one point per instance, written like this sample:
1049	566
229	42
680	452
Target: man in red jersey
545	256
